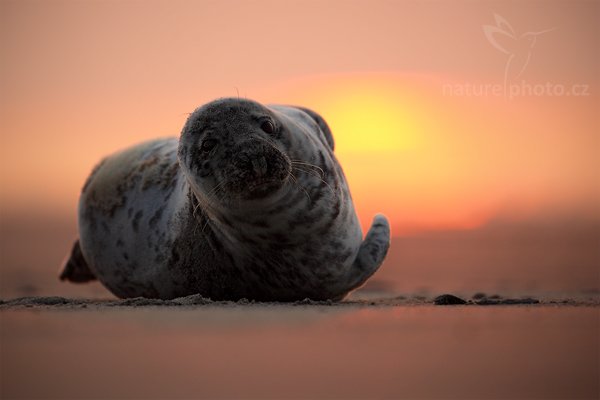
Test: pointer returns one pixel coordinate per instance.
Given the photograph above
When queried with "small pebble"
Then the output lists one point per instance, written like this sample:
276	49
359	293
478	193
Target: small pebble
447	300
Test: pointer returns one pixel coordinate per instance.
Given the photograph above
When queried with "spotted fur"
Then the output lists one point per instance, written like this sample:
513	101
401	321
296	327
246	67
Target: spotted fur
250	202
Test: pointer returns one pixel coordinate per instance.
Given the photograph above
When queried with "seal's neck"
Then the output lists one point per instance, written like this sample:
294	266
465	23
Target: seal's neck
240	224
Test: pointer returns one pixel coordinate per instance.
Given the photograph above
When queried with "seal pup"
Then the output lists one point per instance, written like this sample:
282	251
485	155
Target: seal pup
250	202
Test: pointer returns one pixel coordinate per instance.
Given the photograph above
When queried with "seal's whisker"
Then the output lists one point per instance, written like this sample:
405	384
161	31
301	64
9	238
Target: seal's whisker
310	166
196	218
214	190
295	180
304	162
204	227
195	209
310	172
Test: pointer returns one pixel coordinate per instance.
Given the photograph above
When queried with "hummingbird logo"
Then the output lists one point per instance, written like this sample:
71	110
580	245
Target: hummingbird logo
518	48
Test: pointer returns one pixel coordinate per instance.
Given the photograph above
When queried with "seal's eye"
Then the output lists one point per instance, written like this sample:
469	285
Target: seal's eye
268	127
208	145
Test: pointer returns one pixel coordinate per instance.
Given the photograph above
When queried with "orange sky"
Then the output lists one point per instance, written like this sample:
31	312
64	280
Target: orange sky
81	79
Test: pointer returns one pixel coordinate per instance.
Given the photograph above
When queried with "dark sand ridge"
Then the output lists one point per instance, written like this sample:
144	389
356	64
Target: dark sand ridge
479	299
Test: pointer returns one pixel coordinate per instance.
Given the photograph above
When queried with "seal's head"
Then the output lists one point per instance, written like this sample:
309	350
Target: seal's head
232	151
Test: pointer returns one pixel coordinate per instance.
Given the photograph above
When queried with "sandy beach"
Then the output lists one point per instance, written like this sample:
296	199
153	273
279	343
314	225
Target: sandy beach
362	348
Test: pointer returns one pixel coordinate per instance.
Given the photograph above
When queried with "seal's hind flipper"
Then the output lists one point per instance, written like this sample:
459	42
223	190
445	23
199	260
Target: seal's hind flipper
372	251
76	269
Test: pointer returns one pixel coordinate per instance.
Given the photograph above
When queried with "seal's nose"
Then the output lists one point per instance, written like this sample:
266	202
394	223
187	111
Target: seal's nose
259	165
253	163
255	158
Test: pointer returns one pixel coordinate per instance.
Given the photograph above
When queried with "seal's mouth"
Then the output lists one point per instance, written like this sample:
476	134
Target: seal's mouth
260	188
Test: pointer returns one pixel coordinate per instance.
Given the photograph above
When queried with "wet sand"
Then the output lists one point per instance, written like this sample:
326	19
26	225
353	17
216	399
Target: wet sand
401	347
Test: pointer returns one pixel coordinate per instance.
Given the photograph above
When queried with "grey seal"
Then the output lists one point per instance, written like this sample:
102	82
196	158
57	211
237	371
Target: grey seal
250	202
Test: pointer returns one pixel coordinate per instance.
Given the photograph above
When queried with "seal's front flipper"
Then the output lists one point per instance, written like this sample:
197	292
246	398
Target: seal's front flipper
372	251
76	269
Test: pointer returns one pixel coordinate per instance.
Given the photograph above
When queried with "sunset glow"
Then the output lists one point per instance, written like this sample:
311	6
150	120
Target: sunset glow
425	158
434	162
